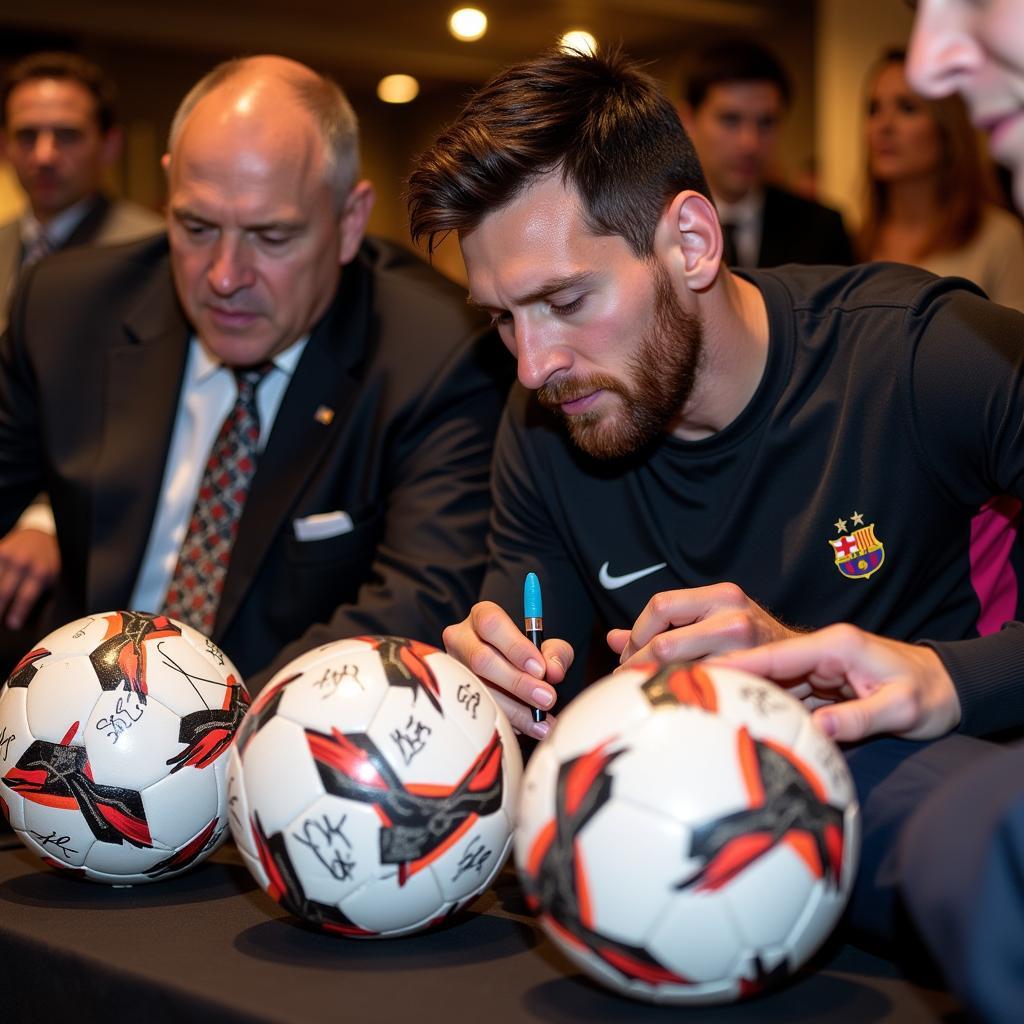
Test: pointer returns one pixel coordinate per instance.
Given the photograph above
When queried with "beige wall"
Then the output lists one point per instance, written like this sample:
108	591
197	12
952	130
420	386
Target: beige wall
851	35
12	199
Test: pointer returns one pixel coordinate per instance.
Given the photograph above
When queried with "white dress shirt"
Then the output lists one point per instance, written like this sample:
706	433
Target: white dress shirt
59	230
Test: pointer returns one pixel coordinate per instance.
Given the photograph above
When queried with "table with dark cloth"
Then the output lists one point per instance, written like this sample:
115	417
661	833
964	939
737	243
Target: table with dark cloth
210	946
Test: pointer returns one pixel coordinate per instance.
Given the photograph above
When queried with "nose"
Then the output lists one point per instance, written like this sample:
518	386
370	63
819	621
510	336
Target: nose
748	136
943	52
44	151
538	356
231	269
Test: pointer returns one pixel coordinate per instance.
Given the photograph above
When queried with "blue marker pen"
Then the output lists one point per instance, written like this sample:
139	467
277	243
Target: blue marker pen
533	614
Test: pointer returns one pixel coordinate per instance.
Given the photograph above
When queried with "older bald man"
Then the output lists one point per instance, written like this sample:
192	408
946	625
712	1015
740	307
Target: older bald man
281	430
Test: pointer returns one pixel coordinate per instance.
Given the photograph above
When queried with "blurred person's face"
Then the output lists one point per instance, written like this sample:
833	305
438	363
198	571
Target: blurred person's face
598	333
256	237
55	145
976	48
903	138
734	131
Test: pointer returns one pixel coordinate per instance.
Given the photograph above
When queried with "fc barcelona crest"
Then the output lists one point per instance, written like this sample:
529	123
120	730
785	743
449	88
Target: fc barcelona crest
860	553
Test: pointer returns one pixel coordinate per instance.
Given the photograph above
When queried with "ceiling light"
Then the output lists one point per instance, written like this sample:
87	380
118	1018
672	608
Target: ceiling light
467	24
397	88
580	40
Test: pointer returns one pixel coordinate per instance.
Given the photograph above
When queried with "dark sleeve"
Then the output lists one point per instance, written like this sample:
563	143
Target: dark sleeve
21	452
988	674
430	559
528	533
968	418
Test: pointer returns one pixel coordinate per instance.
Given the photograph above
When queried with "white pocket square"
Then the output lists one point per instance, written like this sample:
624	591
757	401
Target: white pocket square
322	525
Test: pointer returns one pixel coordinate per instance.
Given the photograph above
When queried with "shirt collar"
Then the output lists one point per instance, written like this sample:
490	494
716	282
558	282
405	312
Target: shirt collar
206	364
59	230
746	210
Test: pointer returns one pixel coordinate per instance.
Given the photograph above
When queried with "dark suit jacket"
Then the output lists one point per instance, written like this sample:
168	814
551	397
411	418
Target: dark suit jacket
106	221
797	230
90	372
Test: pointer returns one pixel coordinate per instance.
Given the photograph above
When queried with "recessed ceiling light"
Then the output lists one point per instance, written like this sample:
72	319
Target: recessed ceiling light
578	39
467	24
397	88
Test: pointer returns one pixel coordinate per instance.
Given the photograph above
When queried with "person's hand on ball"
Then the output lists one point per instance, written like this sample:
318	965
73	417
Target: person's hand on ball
877	685
492	646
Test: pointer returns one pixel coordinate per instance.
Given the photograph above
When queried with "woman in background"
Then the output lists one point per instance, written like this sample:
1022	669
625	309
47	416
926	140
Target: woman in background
931	190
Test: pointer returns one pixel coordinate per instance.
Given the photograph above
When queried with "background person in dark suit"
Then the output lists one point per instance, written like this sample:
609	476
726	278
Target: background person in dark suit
374	410
735	97
60	135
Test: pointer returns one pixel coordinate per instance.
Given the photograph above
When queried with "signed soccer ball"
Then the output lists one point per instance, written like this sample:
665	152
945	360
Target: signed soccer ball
372	786
114	734
687	834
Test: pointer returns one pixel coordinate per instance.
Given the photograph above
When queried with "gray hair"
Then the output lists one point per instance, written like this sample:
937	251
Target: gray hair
319	95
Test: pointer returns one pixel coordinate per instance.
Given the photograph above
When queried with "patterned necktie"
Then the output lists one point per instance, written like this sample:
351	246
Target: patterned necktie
198	580
729	253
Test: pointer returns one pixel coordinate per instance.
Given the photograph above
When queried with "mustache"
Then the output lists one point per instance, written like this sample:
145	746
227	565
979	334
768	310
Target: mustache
567	389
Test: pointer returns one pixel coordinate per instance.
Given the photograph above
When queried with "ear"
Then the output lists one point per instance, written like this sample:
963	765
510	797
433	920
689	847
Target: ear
353	219
110	147
689	238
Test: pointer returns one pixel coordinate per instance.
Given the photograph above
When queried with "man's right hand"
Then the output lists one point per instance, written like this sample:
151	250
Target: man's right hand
29	564
521	677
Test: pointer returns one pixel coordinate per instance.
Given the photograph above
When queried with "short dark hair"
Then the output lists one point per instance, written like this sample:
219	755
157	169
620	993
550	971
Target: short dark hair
734	60
609	129
68	66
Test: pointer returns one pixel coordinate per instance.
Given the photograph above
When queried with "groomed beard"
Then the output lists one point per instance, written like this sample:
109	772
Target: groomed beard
660	379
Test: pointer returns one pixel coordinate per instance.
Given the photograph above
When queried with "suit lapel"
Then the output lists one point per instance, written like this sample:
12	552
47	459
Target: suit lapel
10	264
143	379
89	226
325	376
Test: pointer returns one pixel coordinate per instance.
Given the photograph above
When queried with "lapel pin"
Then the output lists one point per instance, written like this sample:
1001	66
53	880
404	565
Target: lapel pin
324	415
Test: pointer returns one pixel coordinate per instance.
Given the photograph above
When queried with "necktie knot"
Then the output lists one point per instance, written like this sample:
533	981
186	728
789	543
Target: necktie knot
36	249
249	378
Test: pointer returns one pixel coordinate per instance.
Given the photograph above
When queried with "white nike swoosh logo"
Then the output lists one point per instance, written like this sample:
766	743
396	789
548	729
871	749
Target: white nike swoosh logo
610	582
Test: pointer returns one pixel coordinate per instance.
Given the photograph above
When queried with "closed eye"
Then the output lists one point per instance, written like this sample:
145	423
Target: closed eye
568	308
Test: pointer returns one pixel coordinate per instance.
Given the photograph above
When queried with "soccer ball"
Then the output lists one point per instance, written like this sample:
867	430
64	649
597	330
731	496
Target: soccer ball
372	787
114	733
686	834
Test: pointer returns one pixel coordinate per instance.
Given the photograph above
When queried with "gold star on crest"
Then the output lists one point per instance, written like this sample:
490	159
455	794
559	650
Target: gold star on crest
857	519
840	525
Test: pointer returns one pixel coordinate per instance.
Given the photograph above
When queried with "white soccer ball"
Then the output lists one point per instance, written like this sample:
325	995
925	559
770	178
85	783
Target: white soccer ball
372	787
114	734
686	834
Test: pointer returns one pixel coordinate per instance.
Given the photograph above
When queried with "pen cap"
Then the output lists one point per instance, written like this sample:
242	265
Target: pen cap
533	607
